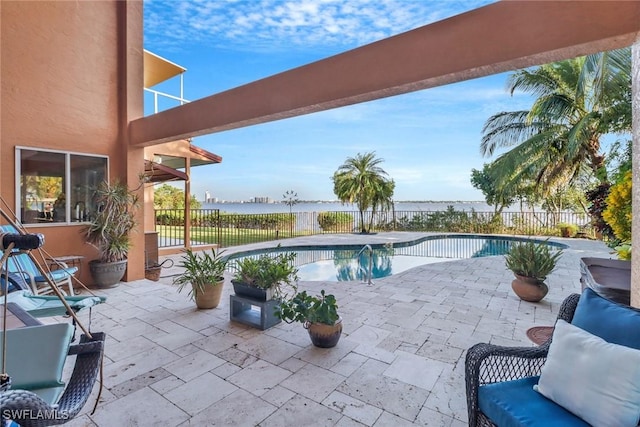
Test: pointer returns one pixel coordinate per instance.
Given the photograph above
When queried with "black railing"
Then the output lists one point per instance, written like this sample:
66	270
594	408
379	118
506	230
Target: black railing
212	227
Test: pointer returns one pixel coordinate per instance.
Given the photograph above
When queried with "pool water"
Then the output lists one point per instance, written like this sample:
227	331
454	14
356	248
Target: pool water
352	263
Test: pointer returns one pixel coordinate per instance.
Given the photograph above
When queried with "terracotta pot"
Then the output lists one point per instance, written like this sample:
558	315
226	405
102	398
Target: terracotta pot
210	298
529	288
324	336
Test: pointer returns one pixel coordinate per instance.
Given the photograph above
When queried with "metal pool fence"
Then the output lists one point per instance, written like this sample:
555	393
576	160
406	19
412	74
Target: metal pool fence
213	227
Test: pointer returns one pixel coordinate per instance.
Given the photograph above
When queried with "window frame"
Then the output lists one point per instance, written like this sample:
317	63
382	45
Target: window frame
67	185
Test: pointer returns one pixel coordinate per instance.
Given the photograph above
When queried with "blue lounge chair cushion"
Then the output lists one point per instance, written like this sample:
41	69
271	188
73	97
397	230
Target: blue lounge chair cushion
44	306
57	275
516	403
36	356
613	322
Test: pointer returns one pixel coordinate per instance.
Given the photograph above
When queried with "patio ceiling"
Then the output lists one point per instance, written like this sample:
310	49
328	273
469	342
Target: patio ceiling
157	69
500	37
169	158
157	172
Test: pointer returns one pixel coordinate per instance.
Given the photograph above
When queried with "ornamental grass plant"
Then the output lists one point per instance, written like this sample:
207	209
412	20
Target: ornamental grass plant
532	259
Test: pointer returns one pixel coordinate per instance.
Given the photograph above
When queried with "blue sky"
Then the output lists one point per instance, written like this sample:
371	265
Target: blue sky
429	140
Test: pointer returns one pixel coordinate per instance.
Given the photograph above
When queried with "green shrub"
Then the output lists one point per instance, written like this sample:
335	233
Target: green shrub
335	221
567	230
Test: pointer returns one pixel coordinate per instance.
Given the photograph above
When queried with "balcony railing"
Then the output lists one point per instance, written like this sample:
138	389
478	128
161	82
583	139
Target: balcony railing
164	101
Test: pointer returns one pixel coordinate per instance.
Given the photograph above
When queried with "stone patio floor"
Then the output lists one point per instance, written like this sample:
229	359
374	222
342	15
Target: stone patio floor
400	361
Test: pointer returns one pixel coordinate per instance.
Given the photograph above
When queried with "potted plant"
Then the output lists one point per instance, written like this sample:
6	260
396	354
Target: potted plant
318	315
109	231
204	274
531	262
265	277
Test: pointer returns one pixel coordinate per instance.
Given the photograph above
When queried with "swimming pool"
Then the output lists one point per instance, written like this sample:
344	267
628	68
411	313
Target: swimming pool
352	262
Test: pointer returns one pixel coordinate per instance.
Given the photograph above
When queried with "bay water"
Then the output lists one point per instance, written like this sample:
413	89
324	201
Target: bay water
248	207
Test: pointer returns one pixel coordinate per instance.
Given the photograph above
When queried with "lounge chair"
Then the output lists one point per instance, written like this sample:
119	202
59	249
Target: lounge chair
43	305
587	374
22	264
35	358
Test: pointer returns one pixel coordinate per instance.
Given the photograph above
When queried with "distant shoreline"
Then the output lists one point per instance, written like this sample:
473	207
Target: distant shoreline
338	201
328	206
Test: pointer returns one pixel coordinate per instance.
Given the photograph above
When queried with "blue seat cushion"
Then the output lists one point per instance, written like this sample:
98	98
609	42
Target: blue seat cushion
58	275
516	403
35	358
613	322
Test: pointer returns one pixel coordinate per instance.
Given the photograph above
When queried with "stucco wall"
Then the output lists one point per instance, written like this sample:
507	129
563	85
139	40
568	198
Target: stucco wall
66	85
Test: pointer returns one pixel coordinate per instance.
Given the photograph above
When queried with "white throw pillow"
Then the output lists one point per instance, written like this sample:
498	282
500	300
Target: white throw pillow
595	380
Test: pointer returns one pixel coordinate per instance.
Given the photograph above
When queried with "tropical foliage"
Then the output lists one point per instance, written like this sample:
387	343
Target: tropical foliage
201	218
555	145
335	221
114	220
532	259
200	270
362	181
169	197
267	271
493	195
618	211
597	198
308	308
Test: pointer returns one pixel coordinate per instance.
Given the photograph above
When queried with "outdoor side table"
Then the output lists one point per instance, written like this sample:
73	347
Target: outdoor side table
69	260
259	314
540	334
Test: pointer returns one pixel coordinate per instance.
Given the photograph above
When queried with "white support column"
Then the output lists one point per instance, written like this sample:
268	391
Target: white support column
635	229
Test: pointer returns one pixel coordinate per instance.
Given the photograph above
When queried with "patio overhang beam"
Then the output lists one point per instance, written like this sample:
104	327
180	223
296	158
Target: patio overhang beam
500	37
156	172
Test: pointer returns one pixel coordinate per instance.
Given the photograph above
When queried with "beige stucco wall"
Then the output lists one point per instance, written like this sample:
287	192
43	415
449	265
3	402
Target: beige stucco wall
68	76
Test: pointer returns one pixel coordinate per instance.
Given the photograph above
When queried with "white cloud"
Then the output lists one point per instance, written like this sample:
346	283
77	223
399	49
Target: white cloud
283	24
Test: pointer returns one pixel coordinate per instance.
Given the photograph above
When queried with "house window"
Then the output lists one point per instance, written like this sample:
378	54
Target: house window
57	187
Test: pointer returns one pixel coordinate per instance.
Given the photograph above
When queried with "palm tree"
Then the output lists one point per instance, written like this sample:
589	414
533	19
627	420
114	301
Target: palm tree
558	139
382	199
361	181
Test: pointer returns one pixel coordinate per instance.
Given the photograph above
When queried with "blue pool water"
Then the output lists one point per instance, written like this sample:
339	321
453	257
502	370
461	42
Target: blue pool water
345	263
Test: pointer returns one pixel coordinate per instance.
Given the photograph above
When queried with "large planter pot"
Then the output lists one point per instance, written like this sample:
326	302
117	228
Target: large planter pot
529	289
210	298
244	290
107	274
324	336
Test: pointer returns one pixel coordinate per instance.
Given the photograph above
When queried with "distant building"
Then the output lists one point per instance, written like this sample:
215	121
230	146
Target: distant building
207	197
262	200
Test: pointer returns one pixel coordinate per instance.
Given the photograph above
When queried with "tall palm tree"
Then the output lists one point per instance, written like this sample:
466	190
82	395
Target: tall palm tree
382	199
361	181
558	139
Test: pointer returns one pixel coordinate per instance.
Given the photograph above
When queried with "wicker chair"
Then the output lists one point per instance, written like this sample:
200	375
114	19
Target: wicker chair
488	363
22	405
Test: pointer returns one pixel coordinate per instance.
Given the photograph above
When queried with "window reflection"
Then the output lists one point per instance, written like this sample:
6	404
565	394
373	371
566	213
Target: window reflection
45	196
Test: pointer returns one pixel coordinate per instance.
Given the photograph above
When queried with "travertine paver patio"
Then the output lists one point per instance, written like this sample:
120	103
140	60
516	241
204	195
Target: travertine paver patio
400	361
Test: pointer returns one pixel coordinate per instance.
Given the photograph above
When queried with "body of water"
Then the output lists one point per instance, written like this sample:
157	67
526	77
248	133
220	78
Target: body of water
337	206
